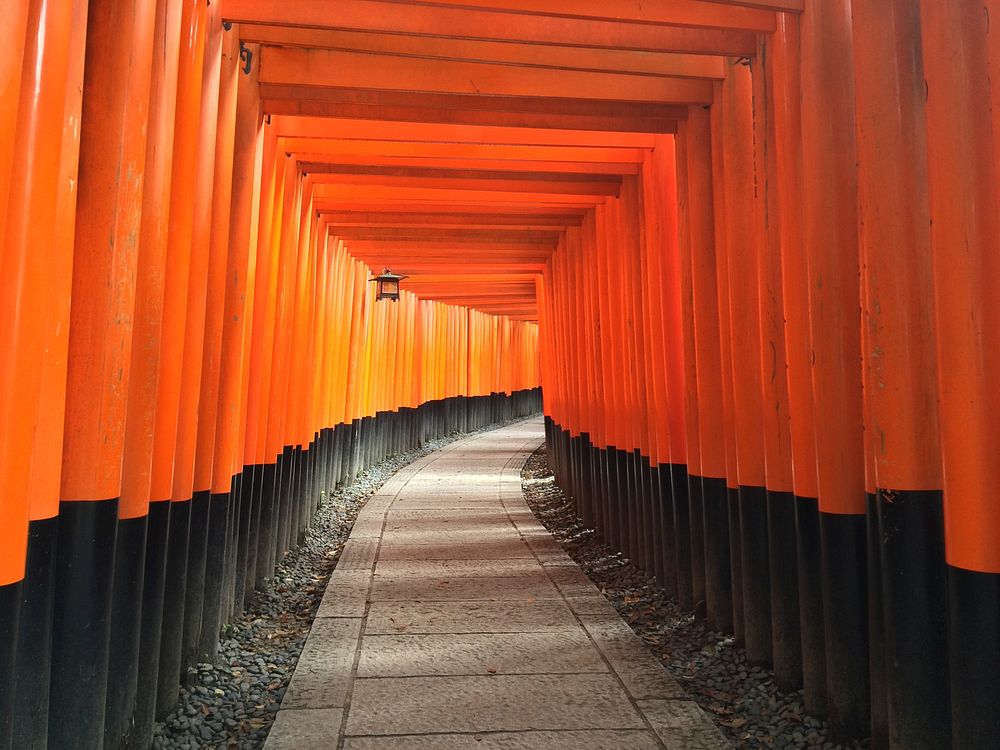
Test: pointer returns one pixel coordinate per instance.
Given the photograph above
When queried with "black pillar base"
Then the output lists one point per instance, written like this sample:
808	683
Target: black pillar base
811	618
174	594
756	576
718	569
974	620
82	623
10	609
845	598
786	634
30	682
151	623
126	616
914	600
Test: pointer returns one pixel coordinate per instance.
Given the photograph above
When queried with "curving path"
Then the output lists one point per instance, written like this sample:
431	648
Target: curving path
454	620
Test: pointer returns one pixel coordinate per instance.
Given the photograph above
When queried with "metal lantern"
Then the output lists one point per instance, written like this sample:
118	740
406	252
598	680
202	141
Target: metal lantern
387	285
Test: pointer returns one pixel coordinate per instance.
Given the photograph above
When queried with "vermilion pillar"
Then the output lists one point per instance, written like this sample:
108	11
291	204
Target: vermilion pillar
961	61
829	195
786	642
710	484
717	118
744	317
112	158
786	93
172	342
148	333
899	358
686	594
28	725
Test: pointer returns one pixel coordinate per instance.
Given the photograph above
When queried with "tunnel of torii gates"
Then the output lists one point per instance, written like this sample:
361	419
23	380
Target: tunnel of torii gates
750	250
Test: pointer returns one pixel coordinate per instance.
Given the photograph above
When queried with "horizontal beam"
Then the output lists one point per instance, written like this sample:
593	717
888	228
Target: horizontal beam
487	269
425	20
509	111
466	174
463	234
509	53
469	151
377	192
405	220
307	102
690	13
792	6
453	208
335	69
314	163
561	187
375	130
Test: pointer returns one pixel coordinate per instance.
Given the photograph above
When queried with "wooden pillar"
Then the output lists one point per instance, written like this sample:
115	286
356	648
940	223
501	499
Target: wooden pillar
829	193
710	484
786	88
187	115
27	726
786	641
744	323
140	425
961	61
899	358
116	95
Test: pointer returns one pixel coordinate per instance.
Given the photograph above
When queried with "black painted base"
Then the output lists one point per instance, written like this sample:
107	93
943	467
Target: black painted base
718	568
736	561
915	618
194	593
682	535
81	623
667	550
974	622
174	594
696	511
811	620
845	597
34	645
754	564
150	625
10	609
876	628
786	634
126	616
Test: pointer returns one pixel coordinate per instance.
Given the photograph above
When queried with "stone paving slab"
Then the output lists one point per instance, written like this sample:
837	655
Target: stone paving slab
556	652
358	554
495	703
305	729
454	621
490	549
569	740
346	594
527	587
509	568
640	671
682	725
324	672
468	617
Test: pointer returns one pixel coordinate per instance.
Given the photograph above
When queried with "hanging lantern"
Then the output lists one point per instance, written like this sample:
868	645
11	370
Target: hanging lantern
387	285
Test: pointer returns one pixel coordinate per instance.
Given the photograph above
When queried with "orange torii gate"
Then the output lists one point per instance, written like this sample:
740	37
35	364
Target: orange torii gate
746	247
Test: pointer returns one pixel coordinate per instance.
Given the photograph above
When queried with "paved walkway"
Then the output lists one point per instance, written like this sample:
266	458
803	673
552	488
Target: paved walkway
455	621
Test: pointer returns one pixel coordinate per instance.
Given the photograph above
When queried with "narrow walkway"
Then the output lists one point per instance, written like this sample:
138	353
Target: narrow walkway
454	621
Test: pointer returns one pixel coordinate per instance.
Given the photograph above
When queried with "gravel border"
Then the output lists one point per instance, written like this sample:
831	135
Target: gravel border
231	705
743	701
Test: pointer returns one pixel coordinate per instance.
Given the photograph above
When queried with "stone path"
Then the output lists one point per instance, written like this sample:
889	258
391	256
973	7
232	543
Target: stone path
454	621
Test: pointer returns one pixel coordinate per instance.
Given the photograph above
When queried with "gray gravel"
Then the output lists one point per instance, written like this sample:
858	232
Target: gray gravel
231	704
742	700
